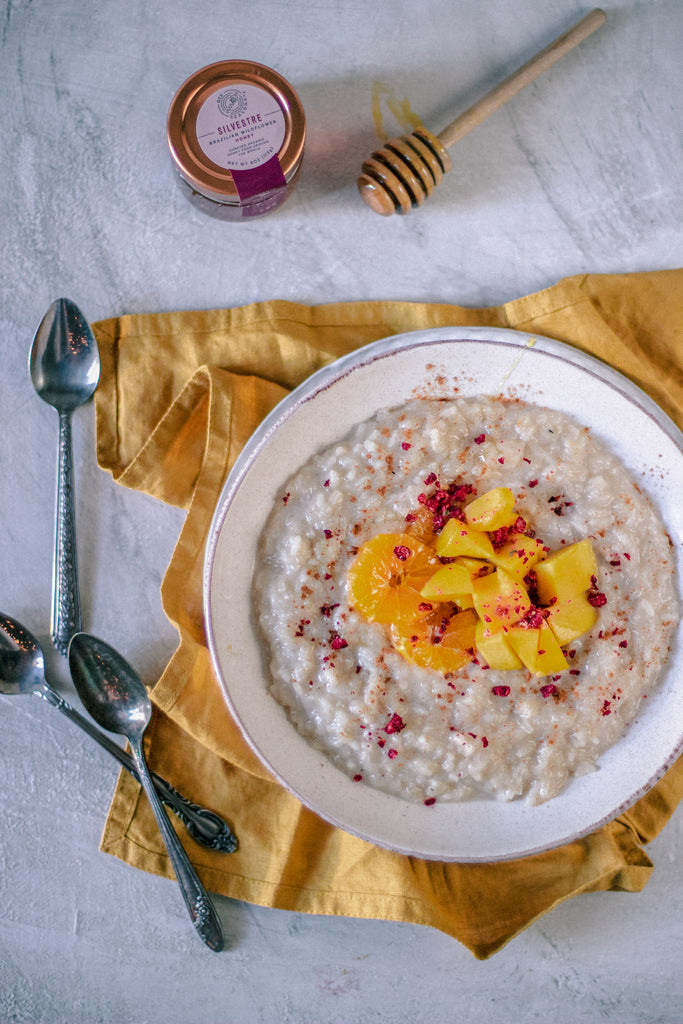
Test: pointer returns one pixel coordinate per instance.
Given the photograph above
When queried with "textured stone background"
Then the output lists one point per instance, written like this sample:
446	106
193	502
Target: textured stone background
579	173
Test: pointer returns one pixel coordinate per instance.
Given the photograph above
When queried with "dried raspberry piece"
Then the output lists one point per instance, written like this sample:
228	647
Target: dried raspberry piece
548	690
430	801
392	753
395	724
338	643
405	446
358	778
402	552
533	619
480	438
500	691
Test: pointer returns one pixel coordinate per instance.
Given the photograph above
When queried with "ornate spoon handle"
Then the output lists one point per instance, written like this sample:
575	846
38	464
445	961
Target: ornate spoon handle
199	905
66	604
205	827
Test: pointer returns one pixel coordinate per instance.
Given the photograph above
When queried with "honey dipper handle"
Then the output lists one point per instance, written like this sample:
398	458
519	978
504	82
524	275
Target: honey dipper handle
529	72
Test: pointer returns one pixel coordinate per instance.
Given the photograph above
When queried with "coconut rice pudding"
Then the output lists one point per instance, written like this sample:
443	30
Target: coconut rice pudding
496	678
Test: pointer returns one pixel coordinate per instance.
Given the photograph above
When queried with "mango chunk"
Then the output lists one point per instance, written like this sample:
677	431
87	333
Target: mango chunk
538	649
571	618
524	642
499	600
476	566
447	583
566	573
492	510
495	649
520	555
549	655
459	538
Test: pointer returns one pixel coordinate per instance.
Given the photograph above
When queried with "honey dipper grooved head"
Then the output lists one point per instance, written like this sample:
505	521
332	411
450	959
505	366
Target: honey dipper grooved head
401	174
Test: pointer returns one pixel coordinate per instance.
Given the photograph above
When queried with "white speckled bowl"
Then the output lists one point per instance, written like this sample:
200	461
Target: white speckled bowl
324	409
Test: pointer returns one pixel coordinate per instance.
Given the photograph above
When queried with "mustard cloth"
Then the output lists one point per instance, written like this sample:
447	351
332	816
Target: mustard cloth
180	394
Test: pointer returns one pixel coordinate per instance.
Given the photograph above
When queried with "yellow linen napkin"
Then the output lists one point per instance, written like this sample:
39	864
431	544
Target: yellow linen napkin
180	394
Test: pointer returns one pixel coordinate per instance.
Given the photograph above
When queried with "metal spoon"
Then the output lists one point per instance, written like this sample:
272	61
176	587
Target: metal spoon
116	698
65	370
22	670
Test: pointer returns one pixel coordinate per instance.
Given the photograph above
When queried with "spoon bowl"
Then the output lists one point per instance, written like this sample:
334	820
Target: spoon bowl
65	370
64	361
111	691
22	665
22	670
116	698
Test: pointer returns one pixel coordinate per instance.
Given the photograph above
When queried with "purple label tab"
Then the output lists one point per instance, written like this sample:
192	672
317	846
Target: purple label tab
265	178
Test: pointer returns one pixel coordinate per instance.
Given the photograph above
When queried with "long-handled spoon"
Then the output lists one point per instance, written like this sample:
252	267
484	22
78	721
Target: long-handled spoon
22	670
115	696
65	370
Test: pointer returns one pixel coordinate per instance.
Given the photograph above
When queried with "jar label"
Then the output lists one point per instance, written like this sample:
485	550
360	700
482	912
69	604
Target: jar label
240	127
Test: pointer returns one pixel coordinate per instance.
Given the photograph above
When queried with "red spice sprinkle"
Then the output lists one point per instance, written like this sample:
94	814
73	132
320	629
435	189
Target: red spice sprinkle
285	498
548	690
405	446
402	552
338	643
392	753
526	460
501	691
327	609
480	438
395	724
430	801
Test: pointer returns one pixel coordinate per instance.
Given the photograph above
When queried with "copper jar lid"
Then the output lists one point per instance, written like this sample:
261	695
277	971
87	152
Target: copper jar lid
236	132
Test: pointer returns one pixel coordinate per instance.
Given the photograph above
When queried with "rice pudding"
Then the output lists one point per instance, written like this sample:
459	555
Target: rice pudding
424	734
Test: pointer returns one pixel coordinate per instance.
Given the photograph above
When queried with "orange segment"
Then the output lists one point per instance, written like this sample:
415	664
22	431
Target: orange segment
442	641
387	576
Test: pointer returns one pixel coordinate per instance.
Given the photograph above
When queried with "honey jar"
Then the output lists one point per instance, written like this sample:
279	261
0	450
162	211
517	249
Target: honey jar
236	132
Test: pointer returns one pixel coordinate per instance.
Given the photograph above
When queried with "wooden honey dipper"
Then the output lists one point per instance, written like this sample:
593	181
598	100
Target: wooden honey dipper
401	174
